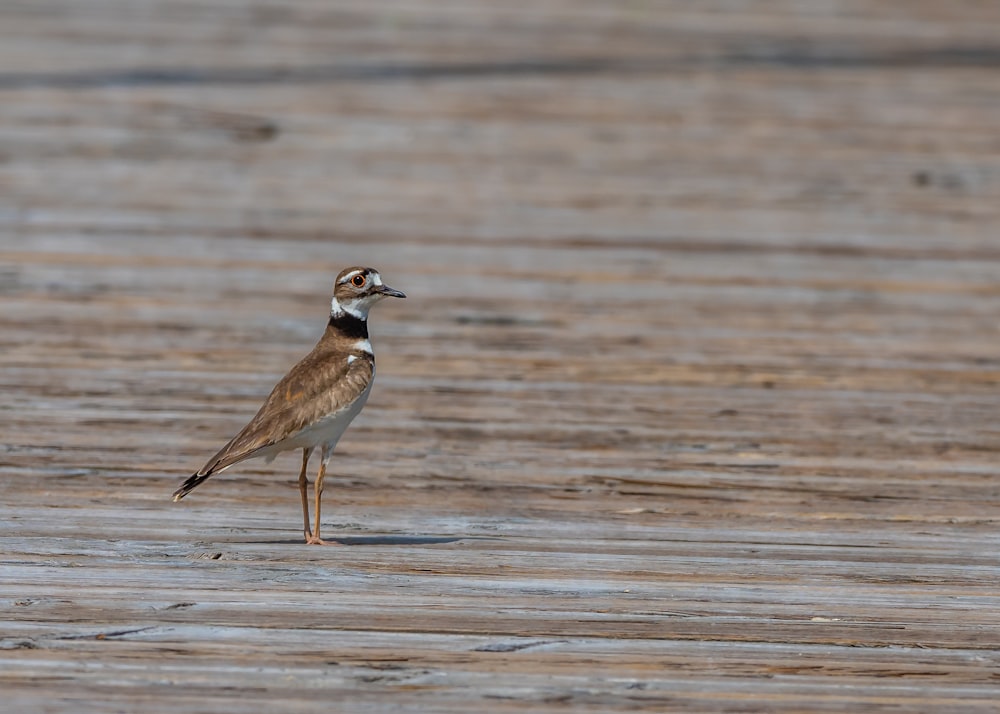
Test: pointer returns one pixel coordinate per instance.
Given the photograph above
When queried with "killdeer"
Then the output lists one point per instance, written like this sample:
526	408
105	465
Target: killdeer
315	402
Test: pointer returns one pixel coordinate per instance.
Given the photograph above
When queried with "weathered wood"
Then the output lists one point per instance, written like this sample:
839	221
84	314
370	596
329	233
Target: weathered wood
692	405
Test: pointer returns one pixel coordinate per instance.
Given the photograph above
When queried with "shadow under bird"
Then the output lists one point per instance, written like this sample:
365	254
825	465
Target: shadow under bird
314	403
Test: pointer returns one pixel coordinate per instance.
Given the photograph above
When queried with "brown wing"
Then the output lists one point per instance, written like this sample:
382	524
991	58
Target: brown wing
322	383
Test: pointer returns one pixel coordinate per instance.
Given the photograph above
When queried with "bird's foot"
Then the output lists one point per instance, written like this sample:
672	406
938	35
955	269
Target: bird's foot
316	540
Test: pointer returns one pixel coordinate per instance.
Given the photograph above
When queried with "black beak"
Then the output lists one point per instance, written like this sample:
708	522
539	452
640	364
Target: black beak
391	292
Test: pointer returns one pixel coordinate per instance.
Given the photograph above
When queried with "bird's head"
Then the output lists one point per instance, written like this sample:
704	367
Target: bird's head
357	289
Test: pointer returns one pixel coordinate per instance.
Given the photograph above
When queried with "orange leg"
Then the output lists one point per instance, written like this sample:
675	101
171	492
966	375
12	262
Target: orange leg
314	539
303	485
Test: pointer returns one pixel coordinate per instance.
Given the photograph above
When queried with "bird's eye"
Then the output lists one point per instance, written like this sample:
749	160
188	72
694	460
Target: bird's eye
358	281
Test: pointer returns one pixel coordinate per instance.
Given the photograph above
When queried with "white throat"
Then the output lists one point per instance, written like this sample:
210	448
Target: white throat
355	308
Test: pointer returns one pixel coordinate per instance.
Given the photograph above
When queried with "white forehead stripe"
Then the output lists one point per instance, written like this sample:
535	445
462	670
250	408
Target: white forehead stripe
347	278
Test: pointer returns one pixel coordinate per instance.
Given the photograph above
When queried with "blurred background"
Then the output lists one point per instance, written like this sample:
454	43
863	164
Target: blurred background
594	195
709	123
696	289
654	228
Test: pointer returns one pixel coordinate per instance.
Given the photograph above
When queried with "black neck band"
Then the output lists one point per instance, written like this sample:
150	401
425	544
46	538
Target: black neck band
349	326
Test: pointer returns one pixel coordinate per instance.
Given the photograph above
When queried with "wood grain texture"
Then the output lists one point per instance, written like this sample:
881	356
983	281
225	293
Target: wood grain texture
692	405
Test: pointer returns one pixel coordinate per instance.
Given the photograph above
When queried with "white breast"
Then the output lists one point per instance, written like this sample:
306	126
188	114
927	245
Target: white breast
324	433
328	430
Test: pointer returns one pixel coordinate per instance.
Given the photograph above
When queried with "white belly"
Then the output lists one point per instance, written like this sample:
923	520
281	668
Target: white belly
324	433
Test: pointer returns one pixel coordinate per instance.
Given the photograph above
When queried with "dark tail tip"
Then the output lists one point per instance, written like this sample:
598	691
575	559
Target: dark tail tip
189	485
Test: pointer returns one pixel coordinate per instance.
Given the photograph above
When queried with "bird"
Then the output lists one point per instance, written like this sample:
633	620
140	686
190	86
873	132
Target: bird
312	405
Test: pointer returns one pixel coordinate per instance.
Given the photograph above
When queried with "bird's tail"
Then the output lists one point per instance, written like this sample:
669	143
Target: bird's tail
190	485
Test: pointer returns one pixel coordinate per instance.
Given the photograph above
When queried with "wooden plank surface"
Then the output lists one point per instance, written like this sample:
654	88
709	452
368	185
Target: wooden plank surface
692	406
